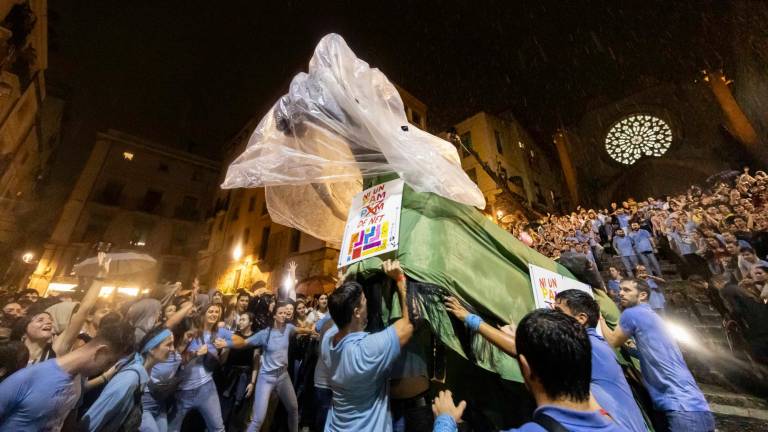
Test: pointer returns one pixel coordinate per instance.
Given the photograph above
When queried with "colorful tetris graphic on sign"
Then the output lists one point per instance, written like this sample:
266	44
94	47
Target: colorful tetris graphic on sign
368	241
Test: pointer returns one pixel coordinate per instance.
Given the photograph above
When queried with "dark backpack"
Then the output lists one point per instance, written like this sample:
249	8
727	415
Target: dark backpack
132	421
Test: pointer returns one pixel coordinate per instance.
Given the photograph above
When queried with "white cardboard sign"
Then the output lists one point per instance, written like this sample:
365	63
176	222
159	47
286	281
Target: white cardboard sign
546	284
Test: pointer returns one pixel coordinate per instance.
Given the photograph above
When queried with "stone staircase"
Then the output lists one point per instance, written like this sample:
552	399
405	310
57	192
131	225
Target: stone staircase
735	388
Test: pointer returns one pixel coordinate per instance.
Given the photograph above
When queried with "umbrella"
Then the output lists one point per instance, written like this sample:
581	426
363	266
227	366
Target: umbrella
121	264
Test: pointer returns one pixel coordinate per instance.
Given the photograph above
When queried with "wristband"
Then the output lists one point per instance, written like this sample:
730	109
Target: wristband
472	322
401	278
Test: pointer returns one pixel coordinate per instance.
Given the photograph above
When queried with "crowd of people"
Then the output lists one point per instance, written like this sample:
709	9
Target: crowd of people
252	361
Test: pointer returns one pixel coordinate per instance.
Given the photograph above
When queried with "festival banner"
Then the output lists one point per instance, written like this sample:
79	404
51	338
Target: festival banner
546	284
373	224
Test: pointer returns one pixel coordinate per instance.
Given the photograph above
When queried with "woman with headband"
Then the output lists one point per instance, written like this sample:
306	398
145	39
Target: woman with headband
111	410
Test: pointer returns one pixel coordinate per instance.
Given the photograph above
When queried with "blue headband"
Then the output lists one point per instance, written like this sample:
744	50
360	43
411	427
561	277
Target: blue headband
155	341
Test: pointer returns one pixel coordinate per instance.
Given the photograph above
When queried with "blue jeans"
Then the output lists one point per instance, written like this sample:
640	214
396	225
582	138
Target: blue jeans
206	400
281	384
154	415
630	262
649	260
689	421
323	398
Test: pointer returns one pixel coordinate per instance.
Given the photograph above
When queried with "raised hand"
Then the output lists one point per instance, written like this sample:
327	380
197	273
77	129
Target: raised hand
453	306
443	404
392	269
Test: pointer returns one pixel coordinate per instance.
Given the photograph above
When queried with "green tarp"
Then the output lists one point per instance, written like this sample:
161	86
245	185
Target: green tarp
456	247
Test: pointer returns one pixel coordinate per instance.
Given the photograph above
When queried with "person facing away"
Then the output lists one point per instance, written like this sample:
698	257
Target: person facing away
39	397
359	361
556	363
665	374
608	384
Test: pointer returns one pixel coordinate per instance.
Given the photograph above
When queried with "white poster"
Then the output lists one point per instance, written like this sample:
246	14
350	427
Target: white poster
373	224
546	284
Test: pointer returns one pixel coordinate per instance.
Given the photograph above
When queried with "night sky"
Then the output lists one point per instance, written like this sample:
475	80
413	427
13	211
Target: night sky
190	74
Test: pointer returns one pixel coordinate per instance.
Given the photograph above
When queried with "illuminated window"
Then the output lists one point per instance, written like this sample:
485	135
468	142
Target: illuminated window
128	156
636	136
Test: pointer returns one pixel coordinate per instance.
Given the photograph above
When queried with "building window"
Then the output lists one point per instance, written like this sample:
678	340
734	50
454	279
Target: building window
466	139
472	174
221	224
295	240
246	236
497	138
539	195
96	228
163	167
235	215
264	243
140	234
636	136
151	202
128	156
179	240
251	204
112	192
264	209
188	209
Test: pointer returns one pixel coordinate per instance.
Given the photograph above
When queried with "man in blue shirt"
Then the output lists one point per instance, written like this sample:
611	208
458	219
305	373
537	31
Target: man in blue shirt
625	248
39	397
359	361
665	374
644	246
554	357
608	384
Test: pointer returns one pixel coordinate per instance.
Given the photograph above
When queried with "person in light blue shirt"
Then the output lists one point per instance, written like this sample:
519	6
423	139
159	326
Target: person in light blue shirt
556	362
608	384
359	361
665	374
322	379
39	397
625	248
644	246
273	375
623	219
121	394
656	301
197	390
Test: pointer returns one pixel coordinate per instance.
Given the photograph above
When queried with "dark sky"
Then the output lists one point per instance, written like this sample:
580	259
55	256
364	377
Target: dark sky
195	72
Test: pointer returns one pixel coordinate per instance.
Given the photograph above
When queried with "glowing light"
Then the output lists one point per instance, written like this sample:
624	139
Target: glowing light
636	136
107	291
61	287
128	156
28	257
237	252
681	334
499	214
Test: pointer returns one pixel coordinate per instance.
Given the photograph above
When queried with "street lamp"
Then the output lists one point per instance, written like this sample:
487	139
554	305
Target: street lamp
28	257
237	252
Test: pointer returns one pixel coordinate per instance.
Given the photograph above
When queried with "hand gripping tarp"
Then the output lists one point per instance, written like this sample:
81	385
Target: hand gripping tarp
340	122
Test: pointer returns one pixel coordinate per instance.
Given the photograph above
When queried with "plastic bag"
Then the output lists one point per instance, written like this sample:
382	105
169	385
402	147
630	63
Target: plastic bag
340	122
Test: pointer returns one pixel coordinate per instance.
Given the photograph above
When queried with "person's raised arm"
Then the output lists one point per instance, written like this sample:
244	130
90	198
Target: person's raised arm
179	315
504	341
63	343
615	337
403	327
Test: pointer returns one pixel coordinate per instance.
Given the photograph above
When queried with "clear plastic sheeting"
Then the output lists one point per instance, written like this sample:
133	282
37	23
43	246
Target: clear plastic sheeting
340	122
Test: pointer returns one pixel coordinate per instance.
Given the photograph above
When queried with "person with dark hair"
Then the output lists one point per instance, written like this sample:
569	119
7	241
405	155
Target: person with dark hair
240	307
608	384
239	377
197	389
359	361
273	375
321	308
748	260
665	374
29	295
555	360
13	356
40	397
625	248
645	247
121	397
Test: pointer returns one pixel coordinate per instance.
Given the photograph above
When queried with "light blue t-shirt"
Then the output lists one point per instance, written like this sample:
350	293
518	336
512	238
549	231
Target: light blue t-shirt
38	398
165	370
110	410
665	374
642	239
360	364
610	387
623	221
573	421
275	354
623	245
195	373
322	374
